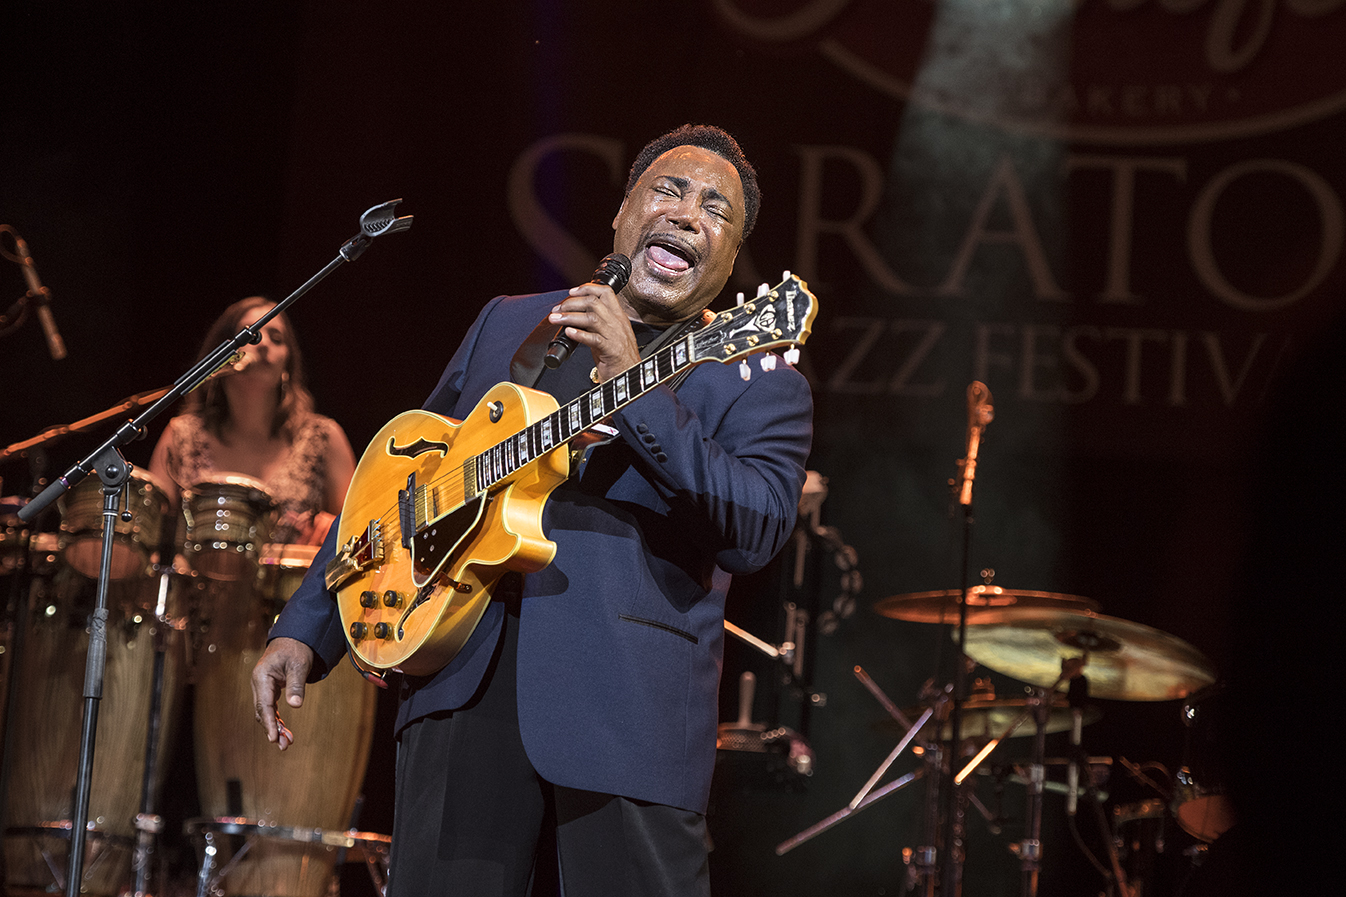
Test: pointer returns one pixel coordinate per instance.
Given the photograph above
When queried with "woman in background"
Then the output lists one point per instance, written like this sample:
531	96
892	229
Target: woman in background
258	420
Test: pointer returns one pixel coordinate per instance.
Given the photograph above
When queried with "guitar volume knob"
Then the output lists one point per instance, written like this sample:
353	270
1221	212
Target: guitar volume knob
391	598
382	630
368	598
358	631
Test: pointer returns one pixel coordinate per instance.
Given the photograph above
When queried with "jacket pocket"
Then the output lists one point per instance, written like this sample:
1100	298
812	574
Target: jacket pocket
682	633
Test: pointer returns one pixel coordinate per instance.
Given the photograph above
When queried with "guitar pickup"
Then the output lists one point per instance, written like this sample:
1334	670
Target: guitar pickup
406	510
359	553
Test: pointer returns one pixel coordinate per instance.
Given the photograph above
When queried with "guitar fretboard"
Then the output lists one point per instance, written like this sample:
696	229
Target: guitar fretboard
488	468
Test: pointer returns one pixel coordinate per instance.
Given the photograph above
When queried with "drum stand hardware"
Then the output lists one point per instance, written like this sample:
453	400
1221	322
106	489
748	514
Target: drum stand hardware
921	860
793	652
867	794
107	462
354	845
1029	850
746	735
149	825
99	845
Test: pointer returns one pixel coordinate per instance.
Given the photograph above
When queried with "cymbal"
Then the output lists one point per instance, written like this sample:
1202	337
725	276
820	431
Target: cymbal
987	718
942	606
1125	661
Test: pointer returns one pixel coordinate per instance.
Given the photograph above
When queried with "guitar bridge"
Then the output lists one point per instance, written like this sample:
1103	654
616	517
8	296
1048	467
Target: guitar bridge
359	553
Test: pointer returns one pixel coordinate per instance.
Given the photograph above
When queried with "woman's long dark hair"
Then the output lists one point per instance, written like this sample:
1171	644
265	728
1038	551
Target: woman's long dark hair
295	401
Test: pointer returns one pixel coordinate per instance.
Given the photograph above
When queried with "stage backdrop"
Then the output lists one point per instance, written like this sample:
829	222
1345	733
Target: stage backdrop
1123	218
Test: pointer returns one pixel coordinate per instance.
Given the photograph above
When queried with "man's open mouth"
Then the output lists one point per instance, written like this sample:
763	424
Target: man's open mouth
669	255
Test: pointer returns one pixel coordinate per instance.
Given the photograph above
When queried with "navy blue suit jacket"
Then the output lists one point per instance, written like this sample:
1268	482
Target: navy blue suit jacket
620	637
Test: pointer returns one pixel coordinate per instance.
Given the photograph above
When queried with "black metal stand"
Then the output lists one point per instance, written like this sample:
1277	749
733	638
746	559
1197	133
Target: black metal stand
1029	850
979	414
107	462
115	473
950	859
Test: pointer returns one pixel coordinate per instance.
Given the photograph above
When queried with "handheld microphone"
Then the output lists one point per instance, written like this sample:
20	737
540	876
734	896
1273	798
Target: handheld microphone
613	271
41	295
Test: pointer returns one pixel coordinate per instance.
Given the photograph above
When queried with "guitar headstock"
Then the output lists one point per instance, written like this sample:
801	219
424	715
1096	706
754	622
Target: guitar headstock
781	317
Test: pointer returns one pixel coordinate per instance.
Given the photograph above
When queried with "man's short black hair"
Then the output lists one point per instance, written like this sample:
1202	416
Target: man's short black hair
716	140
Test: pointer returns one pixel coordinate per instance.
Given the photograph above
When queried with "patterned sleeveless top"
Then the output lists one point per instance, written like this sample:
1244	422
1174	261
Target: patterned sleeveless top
298	488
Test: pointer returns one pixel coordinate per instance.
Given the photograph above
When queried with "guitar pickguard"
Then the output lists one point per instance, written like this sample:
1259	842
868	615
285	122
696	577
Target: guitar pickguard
439	540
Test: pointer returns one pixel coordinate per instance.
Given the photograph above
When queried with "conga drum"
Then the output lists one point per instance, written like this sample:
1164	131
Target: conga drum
246	781
228	520
46	720
136	543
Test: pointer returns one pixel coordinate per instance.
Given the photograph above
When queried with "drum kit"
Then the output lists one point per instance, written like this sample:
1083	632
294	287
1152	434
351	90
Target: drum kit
191	598
1064	650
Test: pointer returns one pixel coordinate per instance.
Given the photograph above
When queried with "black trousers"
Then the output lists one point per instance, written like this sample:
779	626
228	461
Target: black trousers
474	819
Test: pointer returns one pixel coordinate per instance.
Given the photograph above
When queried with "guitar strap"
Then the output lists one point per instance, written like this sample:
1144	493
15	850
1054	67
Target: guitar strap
525	368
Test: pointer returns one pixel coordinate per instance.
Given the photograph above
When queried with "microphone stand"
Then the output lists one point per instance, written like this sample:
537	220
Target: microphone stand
107	462
979	414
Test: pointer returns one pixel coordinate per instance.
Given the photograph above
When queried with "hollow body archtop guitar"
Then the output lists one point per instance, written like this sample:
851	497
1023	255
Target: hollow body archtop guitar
439	510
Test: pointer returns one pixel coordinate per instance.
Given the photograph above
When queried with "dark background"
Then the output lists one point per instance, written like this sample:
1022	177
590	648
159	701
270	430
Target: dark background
163	160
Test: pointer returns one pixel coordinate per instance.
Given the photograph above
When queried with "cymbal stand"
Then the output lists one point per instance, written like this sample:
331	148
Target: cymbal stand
107	462
1080	782
1029	850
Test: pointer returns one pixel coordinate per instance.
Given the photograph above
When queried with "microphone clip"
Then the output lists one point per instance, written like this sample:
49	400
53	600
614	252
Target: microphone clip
375	222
